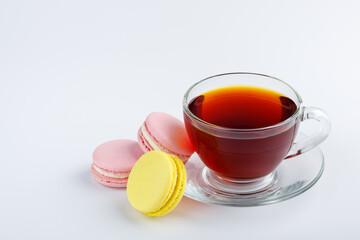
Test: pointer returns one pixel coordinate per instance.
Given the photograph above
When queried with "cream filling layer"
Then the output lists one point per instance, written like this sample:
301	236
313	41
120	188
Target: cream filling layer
150	141
153	144
109	174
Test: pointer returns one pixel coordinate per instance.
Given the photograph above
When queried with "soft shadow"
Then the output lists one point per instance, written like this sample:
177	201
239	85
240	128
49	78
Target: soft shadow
186	209
132	215
189	207
85	178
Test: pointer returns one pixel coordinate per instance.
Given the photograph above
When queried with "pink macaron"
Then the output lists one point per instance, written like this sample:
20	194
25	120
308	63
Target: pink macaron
113	161
163	132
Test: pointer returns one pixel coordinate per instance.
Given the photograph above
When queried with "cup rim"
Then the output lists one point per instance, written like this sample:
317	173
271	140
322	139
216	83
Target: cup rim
289	119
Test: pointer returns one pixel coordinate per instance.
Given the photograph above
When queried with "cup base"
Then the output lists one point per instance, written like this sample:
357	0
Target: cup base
239	187
293	177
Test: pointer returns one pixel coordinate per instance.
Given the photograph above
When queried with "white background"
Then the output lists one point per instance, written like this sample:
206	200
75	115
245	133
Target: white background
74	74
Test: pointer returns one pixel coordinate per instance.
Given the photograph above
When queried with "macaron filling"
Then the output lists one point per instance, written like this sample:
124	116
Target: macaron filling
108	174
156	145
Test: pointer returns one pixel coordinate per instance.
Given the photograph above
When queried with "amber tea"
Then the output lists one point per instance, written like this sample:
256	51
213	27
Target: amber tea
241	108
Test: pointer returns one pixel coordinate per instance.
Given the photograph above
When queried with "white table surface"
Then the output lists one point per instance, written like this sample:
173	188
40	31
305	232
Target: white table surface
74	74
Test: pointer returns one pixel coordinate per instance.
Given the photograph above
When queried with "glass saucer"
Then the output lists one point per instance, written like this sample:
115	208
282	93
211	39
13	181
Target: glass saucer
293	177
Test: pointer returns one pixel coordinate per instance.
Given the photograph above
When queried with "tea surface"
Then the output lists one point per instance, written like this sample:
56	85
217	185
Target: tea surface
242	107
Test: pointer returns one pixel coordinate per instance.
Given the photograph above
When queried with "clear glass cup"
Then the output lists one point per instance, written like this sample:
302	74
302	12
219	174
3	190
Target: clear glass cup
254	169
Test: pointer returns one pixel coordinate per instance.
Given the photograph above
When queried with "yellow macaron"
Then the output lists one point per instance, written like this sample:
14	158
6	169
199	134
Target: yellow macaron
156	183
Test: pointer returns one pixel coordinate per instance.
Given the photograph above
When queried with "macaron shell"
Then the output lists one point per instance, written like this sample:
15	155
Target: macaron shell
108	181
151	181
170	132
178	192
117	155
143	143
115	158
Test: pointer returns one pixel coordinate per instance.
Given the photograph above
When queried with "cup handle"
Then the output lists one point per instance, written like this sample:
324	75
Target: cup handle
317	137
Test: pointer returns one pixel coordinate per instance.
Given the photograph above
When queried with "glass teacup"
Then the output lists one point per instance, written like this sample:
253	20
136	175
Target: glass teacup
248	156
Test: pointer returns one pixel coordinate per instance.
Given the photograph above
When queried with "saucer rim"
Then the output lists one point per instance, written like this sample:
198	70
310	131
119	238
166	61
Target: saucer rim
260	202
